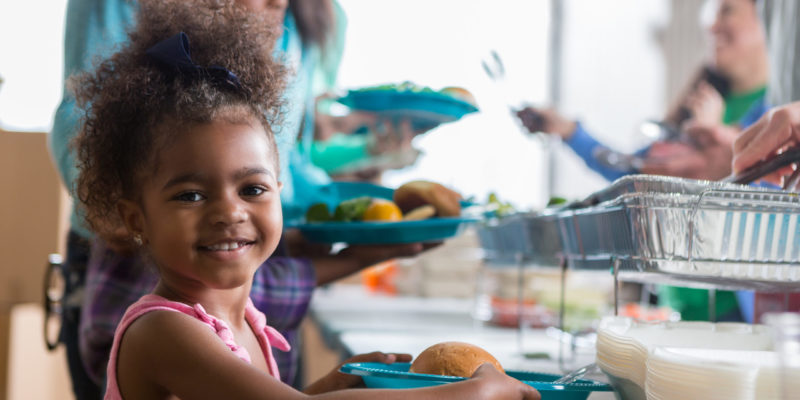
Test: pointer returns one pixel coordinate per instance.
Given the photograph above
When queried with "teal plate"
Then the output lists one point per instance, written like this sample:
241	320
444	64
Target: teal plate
428	230
425	109
396	376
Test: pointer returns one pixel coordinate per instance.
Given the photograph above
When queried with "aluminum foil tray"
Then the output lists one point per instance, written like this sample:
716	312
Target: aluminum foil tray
527	238
654	184
726	235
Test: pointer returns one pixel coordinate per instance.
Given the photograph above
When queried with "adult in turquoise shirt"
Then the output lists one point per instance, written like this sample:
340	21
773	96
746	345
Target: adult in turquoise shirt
94	29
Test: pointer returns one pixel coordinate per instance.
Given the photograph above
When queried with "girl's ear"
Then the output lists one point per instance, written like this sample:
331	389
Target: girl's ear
132	216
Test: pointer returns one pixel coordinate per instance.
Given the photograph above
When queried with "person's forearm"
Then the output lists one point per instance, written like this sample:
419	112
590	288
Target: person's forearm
332	268
357	257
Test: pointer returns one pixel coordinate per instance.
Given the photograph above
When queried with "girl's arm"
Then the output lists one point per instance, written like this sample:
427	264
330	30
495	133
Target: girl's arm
171	353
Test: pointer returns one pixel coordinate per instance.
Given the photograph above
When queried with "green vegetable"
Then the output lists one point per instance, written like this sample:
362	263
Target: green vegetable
555	200
318	213
500	209
352	210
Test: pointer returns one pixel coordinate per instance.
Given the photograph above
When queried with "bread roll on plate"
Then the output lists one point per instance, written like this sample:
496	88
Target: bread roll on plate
460	93
416	194
452	359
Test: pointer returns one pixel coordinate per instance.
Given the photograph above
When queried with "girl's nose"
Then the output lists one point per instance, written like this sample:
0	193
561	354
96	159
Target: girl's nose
228	211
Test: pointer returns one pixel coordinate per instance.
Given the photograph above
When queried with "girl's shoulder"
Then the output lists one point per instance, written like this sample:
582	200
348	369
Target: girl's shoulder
168	352
158	342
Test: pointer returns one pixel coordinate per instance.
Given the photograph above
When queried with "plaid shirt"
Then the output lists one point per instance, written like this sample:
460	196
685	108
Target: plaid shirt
282	290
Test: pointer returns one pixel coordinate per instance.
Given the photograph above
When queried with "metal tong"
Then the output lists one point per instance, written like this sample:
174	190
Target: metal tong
766	167
576	374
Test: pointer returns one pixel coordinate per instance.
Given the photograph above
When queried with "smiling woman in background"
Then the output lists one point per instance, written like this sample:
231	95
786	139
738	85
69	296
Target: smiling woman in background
739	69
724	98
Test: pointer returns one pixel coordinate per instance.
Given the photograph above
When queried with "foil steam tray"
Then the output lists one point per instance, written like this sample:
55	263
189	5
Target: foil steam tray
532	239
687	232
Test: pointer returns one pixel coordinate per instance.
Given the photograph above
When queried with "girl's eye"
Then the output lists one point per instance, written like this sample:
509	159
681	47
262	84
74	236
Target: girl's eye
189	197
252	191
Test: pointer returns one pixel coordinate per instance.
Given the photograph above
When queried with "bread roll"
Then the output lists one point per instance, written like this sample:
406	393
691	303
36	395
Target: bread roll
419	193
460	93
452	359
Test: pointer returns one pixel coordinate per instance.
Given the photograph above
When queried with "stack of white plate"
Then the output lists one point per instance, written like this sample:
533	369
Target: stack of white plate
678	373
625	347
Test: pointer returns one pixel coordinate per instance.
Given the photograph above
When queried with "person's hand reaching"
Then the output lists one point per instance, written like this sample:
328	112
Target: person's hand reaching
711	162
329	125
547	121
775	132
709	135
336	380
391	137
497	385
705	104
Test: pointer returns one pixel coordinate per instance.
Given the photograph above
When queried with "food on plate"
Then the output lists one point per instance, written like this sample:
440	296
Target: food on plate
420	213
406	86
382	210
416	194
414	201
459	93
358	209
500	209
318	213
352	210
452	359
456	92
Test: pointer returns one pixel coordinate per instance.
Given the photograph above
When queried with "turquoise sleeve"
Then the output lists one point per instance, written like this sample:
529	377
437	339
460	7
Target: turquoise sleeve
93	30
584	145
339	151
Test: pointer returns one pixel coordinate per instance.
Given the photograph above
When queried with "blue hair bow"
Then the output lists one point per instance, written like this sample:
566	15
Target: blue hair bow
174	53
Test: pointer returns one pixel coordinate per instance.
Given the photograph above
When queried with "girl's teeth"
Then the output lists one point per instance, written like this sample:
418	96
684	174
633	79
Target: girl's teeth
225	246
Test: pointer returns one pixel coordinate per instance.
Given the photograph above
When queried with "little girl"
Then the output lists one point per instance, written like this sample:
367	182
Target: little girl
177	147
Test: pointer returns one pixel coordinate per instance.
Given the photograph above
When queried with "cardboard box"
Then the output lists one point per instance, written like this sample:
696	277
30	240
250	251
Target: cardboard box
34	372
33	221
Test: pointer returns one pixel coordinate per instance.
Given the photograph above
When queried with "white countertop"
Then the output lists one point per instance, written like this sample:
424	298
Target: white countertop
360	322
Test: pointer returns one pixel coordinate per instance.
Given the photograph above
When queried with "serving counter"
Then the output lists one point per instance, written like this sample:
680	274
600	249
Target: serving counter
354	321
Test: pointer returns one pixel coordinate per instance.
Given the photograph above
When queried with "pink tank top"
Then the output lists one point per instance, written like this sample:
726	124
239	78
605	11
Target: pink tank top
268	336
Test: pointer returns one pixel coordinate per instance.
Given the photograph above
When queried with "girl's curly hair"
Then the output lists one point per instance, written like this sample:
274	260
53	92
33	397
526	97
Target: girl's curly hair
133	104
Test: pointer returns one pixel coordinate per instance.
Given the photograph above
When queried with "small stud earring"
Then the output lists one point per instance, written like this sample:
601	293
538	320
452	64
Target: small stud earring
137	238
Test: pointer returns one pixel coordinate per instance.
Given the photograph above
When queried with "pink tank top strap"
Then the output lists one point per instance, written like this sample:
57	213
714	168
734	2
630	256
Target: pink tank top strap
268	336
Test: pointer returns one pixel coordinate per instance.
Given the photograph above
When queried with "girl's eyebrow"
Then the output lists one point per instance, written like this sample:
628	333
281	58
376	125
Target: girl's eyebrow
189	177
250	171
198	177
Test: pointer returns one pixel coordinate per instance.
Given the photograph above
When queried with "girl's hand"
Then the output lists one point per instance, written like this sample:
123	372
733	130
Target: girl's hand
336	380
776	131
497	385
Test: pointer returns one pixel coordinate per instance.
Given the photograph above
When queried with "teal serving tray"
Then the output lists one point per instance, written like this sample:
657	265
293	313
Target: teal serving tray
425	109
429	230
396	376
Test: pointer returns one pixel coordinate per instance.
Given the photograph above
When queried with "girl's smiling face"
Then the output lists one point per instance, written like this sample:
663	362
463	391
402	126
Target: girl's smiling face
210	213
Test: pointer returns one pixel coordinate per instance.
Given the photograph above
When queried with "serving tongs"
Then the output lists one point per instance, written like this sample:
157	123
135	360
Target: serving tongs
766	167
